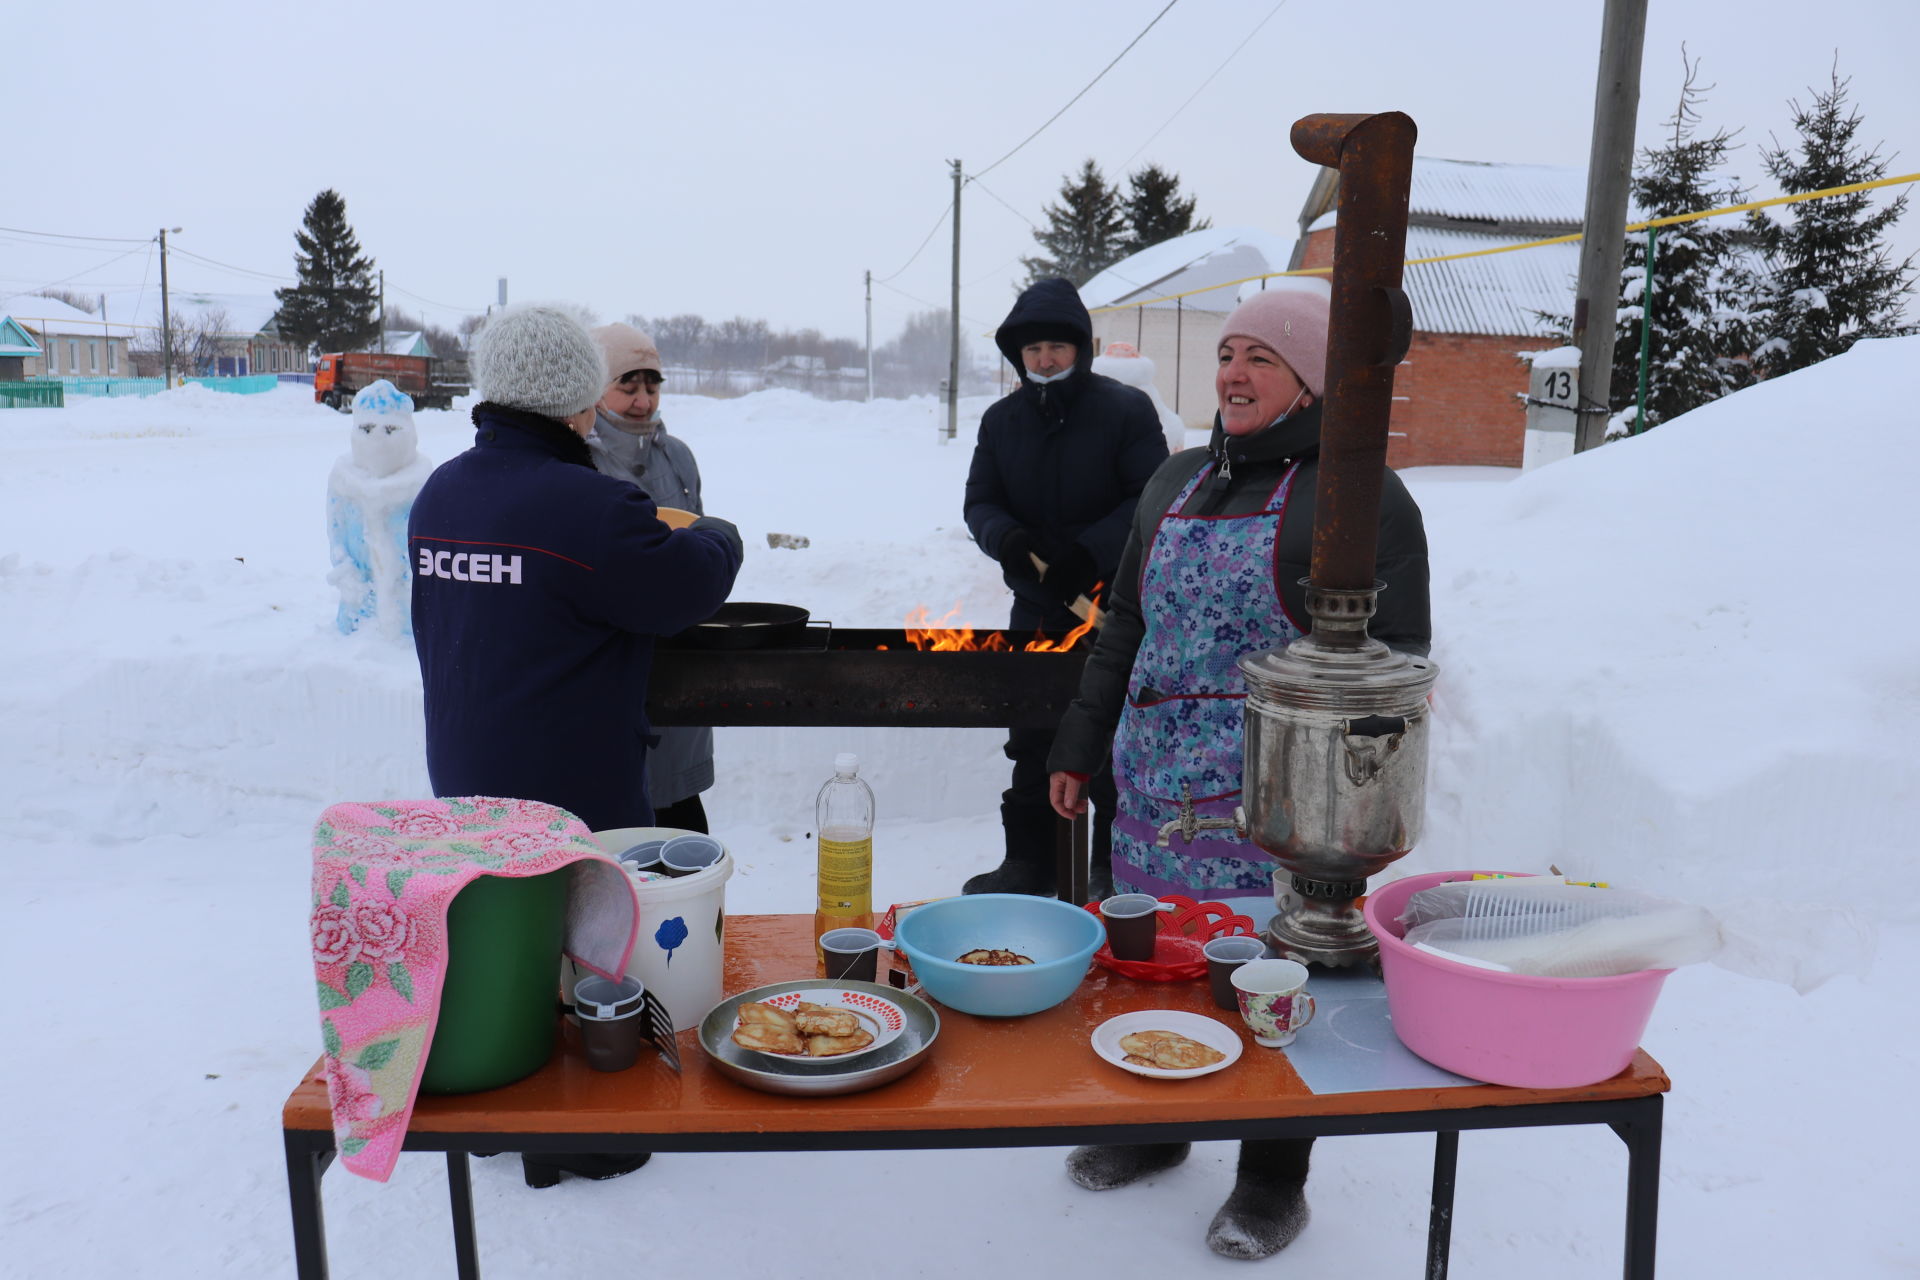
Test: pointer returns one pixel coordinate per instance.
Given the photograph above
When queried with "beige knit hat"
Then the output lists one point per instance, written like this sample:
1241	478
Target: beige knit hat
1293	322
627	351
539	358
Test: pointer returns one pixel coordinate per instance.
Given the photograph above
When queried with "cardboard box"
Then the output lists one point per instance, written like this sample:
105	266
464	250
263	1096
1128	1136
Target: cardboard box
901	975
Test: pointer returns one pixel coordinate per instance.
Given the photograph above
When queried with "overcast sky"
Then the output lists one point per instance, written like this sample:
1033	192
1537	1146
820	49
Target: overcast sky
755	158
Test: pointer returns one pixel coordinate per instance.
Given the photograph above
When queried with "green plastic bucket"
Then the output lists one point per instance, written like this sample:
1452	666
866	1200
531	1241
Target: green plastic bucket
498	1015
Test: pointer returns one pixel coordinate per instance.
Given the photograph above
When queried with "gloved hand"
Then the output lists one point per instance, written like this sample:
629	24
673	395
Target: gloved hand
726	529
1070	574
1016	556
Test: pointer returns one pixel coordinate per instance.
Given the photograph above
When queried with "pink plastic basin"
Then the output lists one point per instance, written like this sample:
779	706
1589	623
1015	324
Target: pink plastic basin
1506	1028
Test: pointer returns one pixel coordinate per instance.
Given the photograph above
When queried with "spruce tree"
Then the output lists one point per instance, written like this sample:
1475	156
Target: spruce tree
335	304
1083	235
1700	331
1831	280
1154	210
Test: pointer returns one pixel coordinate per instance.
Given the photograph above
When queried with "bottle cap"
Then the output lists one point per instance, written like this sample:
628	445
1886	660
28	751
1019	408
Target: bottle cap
846	762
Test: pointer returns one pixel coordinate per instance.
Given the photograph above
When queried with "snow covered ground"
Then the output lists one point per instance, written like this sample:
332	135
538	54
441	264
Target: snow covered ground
1683	662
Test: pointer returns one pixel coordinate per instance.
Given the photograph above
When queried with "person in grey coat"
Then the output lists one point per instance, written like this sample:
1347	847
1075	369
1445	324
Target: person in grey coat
631	443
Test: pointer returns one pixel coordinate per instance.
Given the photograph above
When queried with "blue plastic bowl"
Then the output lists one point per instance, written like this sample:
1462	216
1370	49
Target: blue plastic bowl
1060	938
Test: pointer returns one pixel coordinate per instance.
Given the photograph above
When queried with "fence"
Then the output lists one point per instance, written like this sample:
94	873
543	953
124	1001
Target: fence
107	388
32	395
252	384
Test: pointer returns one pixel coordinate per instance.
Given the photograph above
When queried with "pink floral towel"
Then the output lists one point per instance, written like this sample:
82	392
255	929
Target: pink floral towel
383	876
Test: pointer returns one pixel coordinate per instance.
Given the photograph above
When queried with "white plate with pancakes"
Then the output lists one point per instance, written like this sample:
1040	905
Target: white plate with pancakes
879	1019
1128	1043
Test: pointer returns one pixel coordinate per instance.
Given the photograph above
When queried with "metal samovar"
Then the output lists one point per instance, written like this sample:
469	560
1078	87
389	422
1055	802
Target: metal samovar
1333	779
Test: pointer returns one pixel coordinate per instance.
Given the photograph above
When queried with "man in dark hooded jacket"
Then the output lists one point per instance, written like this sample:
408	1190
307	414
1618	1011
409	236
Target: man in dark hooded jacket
1057	470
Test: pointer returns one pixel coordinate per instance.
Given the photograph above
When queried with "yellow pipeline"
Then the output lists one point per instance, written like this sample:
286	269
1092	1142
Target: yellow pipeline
1668	221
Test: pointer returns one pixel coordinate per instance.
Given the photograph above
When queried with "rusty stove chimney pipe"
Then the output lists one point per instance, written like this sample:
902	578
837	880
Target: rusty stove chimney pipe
1370	327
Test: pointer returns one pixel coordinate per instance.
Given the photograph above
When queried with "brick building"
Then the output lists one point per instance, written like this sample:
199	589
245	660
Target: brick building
1459	395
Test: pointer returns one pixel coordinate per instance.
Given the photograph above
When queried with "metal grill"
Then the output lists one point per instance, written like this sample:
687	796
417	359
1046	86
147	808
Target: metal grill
864	679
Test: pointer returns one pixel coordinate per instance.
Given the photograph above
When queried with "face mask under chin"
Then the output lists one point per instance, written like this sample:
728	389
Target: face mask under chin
1044	380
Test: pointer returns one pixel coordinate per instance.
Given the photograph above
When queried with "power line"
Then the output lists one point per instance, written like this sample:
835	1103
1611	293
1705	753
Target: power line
226	266
444	306
1204	83
1011	262
89	271
1083	93
1009	208
140	298
43	244
931	306
61	235
923	244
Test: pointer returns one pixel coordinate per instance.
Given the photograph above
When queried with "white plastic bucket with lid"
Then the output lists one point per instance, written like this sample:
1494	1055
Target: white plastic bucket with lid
677	952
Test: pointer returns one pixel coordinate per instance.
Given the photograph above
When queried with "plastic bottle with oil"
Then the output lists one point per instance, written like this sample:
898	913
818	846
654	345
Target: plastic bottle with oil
843	818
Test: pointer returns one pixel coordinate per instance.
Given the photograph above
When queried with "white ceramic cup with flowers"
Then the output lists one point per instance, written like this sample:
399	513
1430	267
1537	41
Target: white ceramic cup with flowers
1273	1000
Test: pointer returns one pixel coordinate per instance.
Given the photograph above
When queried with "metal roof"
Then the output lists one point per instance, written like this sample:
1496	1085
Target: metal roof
1476	191
1496	294
1196	260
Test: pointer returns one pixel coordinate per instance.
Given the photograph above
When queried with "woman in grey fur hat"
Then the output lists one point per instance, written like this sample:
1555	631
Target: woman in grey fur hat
630	442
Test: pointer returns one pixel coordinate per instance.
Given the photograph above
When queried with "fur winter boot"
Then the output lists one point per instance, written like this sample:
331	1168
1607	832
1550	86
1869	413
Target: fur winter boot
1104	1168
1268	1206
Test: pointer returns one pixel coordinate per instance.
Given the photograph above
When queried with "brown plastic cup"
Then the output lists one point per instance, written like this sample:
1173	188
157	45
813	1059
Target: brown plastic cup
852	955
1133	921
610	1013
1224	955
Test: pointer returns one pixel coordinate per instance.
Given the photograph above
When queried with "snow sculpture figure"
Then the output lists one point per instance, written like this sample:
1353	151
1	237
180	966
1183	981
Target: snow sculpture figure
1122	362
370	493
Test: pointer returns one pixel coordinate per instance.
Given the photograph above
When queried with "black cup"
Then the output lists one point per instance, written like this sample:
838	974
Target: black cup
857	958
1133	921
612	1043
1238	950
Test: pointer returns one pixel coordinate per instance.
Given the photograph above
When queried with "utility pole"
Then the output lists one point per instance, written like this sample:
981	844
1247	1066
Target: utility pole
383	311
1616	98
953	355
166	317
869	337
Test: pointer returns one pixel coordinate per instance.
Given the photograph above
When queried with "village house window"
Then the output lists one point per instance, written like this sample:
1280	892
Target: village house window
93	356
113	357
52	357
73	355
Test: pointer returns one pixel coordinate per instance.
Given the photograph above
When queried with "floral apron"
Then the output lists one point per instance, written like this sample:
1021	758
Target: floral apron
1208	595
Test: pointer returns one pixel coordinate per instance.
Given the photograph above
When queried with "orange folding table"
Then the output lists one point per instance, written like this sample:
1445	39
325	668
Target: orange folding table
986	1082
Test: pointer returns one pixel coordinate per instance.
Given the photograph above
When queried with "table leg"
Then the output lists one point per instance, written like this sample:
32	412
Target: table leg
1080	869
1642	1136
466	1253
306	1165
1070	859
1446	1153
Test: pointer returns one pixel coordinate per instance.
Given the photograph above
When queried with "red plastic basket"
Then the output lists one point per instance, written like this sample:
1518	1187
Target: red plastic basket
1176	949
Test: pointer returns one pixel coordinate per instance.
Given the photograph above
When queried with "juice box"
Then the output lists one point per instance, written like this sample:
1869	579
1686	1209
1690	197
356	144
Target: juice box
902	971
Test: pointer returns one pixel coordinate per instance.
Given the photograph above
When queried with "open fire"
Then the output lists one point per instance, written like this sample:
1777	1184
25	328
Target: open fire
931	635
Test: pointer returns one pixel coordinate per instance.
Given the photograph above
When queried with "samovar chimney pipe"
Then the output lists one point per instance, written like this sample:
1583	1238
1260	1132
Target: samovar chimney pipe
1370	327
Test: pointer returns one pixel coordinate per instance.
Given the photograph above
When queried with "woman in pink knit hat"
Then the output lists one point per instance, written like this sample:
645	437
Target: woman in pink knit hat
1213	567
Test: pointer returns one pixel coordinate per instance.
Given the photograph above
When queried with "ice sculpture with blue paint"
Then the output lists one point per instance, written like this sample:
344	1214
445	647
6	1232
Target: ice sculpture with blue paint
370	493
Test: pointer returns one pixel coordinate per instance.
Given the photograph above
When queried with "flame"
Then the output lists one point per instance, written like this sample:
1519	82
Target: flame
932	635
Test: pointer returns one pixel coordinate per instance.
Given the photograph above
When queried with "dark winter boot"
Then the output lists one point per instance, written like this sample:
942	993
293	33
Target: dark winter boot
1028	866
1268	1207
1013	877
1104	1168
546	1170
